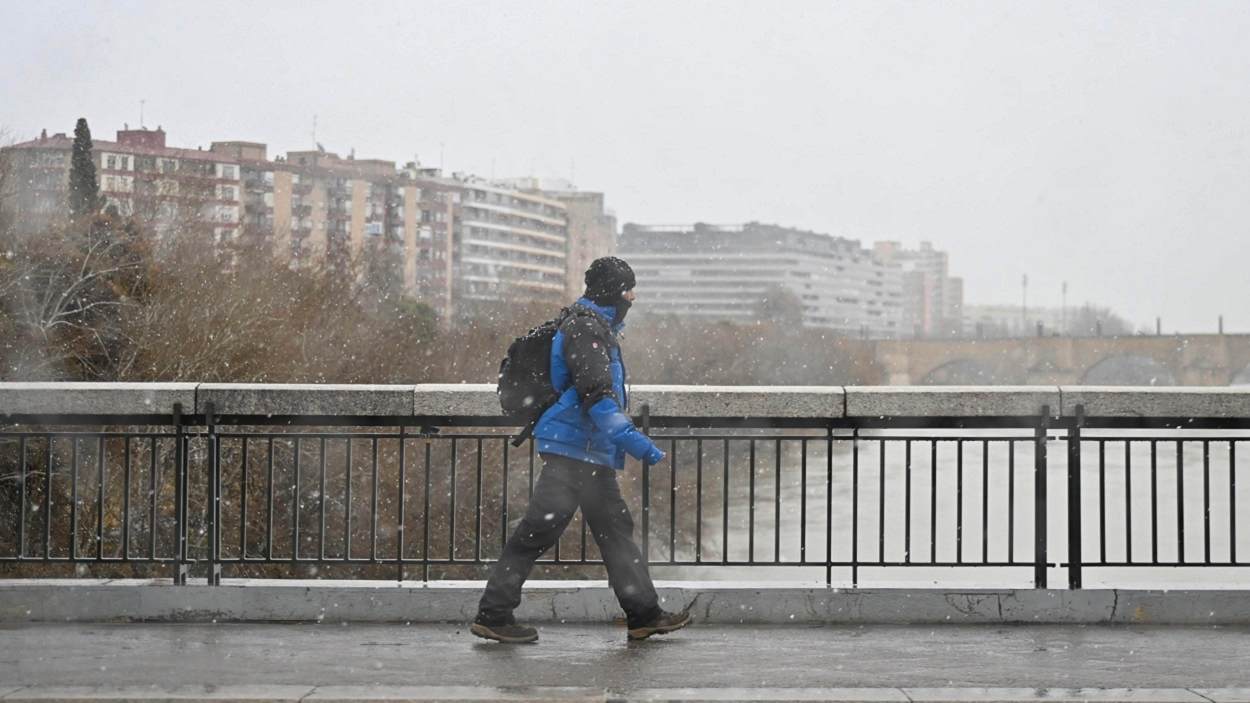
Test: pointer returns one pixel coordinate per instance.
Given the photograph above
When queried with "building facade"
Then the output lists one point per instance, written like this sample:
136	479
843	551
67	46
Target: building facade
139	175
932	298
733	272
483	241
592	228
992	321
447	240
35	180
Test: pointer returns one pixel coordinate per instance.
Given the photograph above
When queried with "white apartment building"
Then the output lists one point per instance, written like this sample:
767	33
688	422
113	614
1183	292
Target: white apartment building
510	240
729	272
592	229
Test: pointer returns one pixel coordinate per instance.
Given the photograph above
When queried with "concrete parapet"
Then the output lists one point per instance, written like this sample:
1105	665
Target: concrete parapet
729	402
1153	401
38	600
950	401
456	399
479	400
95	398
305	399
740	401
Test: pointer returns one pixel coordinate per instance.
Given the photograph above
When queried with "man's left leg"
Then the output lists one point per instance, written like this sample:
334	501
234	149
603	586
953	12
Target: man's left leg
550	510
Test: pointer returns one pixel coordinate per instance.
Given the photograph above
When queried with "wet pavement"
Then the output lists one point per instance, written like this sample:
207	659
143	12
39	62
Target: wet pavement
598	656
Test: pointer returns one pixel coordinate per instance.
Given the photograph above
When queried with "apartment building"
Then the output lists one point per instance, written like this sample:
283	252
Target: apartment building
592	234
138	175
447	240
730	272
500	242
35	176
592	229
932	298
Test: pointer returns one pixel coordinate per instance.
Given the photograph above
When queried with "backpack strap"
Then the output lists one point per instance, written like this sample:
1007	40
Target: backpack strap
527	431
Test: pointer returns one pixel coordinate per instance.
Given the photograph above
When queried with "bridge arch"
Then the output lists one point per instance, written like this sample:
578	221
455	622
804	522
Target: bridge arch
1241	378
960	372
1128	370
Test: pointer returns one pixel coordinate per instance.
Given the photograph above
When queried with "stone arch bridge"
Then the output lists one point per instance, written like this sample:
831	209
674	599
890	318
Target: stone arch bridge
1186	360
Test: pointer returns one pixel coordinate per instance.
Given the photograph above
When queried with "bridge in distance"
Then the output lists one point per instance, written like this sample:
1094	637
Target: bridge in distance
1160	360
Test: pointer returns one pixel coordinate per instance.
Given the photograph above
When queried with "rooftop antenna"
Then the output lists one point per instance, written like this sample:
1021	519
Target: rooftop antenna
572	171
1024	304
440	155
314	132
141	102
1063	308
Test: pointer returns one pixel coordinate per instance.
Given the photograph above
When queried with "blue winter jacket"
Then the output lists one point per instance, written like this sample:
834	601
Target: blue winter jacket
588	422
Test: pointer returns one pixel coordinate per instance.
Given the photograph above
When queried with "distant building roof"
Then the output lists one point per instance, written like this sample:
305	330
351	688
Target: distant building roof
64	142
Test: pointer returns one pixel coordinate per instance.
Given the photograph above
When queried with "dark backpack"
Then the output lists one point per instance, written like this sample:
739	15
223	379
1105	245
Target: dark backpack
525	389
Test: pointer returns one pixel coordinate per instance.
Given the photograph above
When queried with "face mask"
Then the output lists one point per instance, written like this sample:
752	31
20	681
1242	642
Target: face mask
622	308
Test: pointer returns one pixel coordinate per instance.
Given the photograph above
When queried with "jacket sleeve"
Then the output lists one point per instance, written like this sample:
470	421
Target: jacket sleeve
587	352
607	416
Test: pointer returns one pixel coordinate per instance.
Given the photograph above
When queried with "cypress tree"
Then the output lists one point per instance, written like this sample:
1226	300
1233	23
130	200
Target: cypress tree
84	190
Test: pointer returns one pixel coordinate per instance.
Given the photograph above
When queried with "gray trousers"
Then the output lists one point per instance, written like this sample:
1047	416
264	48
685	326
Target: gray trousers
563	486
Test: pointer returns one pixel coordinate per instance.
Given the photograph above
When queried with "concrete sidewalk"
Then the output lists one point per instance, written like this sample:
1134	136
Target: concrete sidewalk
258	662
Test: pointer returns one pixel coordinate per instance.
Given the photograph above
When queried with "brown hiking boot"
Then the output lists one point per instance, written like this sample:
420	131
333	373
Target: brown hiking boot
662	624
511	633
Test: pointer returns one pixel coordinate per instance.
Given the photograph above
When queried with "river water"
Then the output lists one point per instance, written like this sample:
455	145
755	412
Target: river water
1130	500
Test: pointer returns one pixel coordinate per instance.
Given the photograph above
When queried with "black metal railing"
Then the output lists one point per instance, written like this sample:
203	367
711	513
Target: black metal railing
833	499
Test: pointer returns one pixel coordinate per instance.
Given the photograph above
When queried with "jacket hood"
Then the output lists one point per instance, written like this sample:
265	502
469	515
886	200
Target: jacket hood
606	312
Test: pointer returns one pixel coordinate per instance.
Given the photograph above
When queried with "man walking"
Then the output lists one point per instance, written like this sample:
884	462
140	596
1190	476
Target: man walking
583	439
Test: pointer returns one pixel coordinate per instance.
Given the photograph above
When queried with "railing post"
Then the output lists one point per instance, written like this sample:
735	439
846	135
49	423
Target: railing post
855	508
646	490
181	566
1074	499
399	528
214	498
828	506
1039	490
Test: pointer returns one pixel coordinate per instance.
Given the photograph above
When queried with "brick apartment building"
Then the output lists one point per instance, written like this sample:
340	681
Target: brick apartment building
454	239
138	175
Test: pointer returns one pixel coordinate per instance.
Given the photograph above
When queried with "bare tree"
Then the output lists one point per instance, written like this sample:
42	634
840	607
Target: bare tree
1090	320
62	296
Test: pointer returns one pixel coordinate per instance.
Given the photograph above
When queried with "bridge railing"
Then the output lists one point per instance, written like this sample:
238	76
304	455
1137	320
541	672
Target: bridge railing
848	486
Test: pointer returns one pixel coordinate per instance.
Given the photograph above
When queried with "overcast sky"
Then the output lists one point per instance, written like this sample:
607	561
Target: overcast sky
1106	144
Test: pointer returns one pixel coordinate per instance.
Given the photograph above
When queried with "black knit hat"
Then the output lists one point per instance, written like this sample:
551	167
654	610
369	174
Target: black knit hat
606	279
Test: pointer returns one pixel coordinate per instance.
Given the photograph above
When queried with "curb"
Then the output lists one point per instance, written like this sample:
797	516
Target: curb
518	694
243	600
